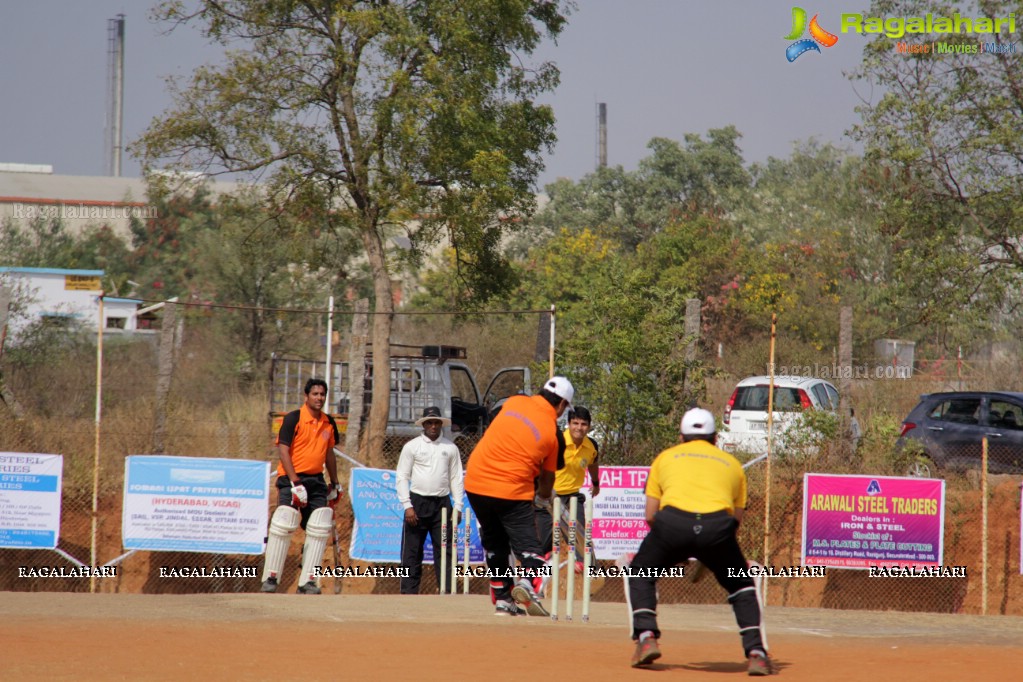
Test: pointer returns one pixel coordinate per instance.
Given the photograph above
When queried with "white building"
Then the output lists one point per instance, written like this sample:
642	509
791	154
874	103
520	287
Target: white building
60	296
28	192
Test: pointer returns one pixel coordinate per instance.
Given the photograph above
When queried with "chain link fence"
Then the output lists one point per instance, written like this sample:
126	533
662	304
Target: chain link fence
206	415
169	572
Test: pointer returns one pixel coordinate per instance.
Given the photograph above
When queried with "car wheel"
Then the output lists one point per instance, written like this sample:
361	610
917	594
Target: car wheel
921	467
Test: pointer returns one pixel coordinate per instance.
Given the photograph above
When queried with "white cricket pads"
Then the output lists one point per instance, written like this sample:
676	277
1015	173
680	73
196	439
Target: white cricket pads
317	530
282	524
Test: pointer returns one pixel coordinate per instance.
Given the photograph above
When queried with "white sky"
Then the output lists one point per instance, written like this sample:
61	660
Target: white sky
663	67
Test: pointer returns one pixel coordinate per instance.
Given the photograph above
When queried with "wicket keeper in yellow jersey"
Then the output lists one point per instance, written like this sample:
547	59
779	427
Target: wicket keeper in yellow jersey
695	498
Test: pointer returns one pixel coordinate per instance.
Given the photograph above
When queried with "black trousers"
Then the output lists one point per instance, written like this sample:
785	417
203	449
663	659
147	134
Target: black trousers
675	537
413	540
545	527
315	487
506	526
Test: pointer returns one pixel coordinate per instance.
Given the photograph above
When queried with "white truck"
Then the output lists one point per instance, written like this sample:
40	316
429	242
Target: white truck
421	376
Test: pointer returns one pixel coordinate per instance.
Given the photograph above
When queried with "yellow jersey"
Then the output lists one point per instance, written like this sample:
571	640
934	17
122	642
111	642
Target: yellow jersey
697	477
572	476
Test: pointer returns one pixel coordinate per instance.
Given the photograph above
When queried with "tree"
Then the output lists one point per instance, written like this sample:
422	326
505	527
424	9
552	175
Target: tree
166	248
376	117
261	261
676	180
949	132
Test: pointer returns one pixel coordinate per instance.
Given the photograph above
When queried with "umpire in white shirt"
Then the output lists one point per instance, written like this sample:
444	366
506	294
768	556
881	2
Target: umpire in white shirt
429	468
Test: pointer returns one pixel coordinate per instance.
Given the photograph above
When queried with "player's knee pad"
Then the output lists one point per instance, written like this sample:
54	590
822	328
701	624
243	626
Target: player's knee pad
320	523
317	531
282	524
285	520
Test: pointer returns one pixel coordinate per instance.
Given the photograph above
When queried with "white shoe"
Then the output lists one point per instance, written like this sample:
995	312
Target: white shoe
524	594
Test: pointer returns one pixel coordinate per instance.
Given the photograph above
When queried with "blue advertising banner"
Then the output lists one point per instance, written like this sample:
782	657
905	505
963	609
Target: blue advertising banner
376	533
195	504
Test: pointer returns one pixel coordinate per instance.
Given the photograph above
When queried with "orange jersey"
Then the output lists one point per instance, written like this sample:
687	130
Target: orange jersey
310	440
521	441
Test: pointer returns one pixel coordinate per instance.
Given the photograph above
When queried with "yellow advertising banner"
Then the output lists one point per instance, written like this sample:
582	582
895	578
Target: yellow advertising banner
81	283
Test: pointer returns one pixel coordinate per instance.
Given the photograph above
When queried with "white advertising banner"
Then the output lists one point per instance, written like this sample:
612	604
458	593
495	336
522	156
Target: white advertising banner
30	487
195	504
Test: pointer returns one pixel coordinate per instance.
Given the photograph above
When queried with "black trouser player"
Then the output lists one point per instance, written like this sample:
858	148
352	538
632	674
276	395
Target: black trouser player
677	536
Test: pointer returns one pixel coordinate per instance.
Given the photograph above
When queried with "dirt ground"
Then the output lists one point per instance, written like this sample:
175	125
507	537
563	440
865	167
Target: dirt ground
56	636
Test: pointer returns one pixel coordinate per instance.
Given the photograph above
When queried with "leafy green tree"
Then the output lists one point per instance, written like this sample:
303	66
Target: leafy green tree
45	242
624	346
948	131
166	248
414	116
39	242
675	180
260	261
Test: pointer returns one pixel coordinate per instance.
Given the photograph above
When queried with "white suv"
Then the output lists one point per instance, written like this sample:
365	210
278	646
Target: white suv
745	419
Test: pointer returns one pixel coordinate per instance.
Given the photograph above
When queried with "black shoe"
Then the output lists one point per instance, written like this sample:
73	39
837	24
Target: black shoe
269	585
309	588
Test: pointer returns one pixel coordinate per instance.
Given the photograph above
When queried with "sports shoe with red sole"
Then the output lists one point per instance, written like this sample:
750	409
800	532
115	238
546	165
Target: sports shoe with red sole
525	594
759	665
646	652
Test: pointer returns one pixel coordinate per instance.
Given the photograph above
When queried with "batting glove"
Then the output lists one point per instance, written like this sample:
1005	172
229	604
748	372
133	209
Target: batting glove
542	502
299	496
334	496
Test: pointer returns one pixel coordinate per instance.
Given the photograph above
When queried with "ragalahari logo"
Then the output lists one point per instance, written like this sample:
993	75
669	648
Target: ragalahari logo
817	35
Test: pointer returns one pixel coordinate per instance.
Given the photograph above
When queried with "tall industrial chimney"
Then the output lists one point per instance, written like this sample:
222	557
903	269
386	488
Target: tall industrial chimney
115	106
601	135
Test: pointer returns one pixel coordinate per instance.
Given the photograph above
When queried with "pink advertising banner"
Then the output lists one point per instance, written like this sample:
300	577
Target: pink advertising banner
863	521
618	511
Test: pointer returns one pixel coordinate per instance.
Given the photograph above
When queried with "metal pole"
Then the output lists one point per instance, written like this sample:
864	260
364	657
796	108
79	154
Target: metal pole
329	378
118	92
767	463
95	455
983	532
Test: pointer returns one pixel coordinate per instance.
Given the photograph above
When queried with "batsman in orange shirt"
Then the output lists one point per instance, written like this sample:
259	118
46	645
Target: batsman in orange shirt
305	444
520	446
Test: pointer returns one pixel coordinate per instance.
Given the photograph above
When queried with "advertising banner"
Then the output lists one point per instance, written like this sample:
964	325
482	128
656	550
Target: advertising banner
379	517
863	521
195	504
30	487
618	511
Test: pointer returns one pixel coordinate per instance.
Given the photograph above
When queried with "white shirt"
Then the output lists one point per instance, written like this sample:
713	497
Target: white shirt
432	468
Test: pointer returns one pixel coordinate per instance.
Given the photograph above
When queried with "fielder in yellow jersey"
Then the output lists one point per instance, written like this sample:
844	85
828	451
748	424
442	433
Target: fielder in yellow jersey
695	498
581	456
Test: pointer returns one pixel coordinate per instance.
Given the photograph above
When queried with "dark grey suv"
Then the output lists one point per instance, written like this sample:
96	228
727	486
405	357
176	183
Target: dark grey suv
950	426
